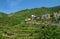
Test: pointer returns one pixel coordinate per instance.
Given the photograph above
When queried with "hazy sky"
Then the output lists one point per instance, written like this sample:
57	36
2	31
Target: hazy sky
9	6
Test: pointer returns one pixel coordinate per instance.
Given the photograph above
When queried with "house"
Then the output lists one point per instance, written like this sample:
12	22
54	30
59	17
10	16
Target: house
33	16
27	19
56	15
45	16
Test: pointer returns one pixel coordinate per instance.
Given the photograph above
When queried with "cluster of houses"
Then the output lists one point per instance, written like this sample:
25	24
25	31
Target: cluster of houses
43	16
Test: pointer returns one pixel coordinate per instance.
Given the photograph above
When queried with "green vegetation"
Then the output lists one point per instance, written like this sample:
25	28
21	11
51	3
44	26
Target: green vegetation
13	26
30	31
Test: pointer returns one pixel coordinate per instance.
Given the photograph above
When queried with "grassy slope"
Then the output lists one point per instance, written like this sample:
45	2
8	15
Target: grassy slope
27	31
31	31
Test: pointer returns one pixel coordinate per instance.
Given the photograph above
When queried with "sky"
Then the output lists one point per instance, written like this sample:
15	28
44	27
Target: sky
10	6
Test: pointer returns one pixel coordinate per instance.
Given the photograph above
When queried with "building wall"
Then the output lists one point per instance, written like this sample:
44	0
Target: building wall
46	16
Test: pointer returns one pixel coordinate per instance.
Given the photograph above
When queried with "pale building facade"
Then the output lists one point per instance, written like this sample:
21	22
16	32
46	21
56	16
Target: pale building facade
45	16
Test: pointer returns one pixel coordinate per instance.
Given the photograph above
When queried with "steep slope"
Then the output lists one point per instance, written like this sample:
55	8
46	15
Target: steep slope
21	15
18	17
55	9
3	18
30	32
11	27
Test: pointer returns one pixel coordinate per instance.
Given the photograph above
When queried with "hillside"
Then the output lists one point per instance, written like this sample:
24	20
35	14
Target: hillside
21	15
3	19
18	17
13	26
30	32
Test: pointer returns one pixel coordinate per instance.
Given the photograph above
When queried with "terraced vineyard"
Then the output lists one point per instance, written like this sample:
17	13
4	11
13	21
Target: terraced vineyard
30	32
13	26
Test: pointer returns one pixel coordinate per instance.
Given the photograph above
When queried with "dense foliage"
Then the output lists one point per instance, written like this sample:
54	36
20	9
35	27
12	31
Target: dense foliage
12	26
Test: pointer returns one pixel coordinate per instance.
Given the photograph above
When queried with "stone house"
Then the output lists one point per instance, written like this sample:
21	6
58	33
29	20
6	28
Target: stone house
45	16
56	15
